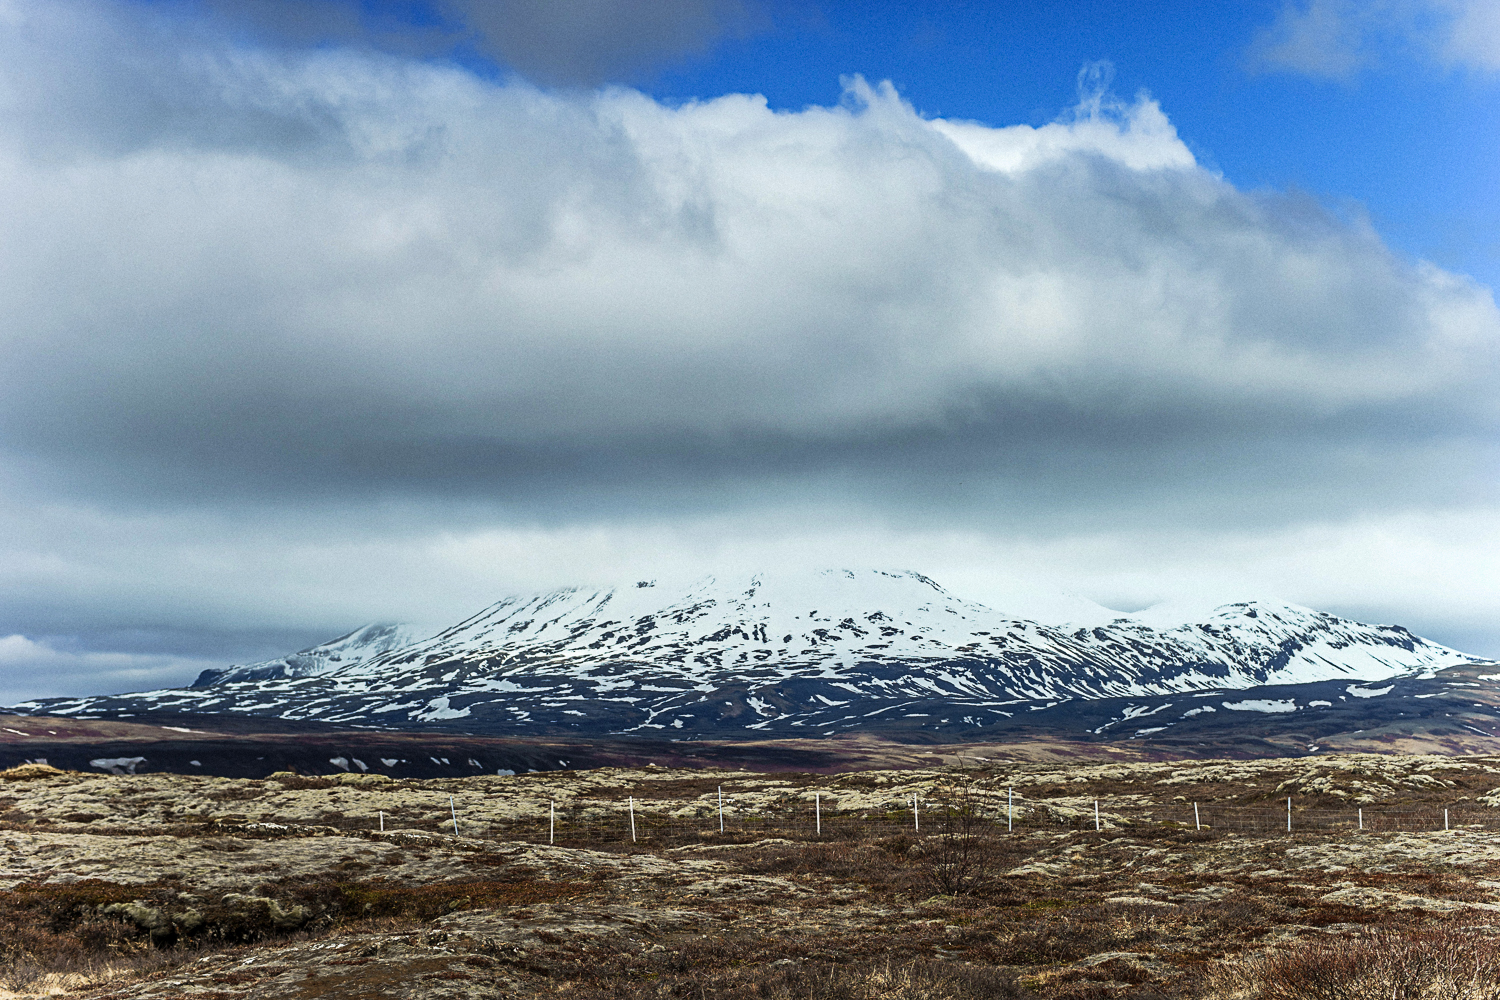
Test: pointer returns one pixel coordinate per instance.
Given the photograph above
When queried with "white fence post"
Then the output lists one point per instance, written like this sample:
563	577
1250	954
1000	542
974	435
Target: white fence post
632	819
454	812
1096	815
382	821
721	808
1445	819
916	820
1197	823
1010	795
551	821
818	810
1288	814
1361	817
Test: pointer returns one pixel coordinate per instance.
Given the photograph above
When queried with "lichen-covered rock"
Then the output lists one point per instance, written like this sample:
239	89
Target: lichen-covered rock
156	919
259	912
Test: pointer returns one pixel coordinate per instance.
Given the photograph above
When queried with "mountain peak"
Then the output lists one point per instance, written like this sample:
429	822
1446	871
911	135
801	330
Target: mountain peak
782	652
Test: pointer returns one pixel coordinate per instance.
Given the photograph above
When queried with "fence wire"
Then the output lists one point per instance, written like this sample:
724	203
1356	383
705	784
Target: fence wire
592	829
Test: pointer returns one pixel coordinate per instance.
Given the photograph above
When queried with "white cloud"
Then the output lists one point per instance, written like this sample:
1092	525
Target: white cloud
1338	38
1321	37
1431	572
1473	35
1138	135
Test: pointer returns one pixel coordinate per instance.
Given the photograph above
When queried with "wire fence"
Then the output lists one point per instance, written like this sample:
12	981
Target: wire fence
638	824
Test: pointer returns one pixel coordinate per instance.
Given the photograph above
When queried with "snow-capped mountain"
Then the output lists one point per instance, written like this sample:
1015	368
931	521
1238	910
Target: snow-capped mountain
345	651
802	653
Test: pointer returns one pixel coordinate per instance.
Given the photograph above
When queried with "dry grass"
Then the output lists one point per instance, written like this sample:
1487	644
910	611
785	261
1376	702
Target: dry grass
868	911
1036	926
29	772
918	980
1436	964
55	938
65	935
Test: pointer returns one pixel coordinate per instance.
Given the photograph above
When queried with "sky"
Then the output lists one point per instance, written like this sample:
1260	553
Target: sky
323	312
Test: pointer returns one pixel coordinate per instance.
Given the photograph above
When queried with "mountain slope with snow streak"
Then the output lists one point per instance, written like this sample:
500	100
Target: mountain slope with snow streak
801	653
347	650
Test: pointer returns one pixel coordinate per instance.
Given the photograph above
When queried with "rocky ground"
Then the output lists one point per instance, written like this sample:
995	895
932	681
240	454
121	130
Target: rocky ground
255	747
159	885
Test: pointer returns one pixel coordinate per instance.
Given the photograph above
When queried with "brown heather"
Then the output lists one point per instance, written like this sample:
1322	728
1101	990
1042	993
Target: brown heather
163	886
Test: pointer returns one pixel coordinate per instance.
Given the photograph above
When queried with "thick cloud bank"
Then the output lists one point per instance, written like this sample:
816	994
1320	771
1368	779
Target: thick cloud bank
278	280
315	264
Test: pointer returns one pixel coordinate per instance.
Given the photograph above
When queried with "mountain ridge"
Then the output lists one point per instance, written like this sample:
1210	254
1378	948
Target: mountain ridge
353	647
794	654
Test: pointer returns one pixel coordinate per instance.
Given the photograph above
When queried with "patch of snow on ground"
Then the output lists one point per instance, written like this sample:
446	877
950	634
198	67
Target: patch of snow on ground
1360	692
438	708
118	765
1261	705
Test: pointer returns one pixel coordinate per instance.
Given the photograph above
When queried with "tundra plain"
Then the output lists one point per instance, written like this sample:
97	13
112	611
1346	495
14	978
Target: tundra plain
989	878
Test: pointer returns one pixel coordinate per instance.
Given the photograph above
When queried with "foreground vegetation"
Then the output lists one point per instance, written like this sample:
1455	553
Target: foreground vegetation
167	886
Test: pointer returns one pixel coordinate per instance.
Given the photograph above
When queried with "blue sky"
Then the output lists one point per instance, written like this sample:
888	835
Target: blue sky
325	312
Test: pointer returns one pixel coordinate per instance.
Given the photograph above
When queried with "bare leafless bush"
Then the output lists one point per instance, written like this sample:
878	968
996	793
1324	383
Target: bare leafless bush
1438	964
962	857
48	935
899	846
25	975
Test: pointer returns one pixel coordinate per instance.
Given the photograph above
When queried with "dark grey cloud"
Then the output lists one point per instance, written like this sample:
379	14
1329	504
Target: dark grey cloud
588	42
563	42
290	335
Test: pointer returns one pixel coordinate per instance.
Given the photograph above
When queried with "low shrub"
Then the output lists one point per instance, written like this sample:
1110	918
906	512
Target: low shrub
914	981
964	857
341	901
291	781
1444	963
51	930
919	980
